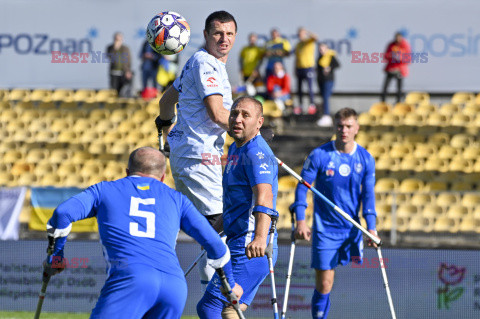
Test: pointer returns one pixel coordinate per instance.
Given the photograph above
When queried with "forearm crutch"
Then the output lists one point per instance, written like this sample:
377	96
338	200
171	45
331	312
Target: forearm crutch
269	253
232	298
47	274
376	240
290	266
195	262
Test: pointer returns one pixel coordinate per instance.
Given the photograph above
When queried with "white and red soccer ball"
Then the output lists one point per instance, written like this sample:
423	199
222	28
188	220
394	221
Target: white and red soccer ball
168	33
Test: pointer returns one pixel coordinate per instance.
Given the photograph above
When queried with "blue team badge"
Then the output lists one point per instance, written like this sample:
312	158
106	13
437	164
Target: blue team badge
358	168
344	169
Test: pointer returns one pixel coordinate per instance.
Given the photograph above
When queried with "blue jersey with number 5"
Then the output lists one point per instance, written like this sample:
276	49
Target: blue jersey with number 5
138	221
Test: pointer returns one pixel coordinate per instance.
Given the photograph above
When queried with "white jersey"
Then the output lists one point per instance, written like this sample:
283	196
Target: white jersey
195	133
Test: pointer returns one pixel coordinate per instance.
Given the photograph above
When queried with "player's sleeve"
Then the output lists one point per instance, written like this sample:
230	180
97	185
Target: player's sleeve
368	197
75	208
309	173
260	167
287	46
196	225
208	79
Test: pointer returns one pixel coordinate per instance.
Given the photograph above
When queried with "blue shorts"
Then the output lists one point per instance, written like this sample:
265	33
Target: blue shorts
141	291
332	249
247	273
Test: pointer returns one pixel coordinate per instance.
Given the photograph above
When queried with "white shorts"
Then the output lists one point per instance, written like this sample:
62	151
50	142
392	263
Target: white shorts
201	183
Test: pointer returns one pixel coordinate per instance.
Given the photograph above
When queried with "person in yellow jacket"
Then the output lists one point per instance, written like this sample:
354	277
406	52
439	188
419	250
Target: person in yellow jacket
305	68
326	65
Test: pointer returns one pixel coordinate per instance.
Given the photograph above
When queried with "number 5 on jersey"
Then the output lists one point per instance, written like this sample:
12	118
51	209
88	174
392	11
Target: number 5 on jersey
149	216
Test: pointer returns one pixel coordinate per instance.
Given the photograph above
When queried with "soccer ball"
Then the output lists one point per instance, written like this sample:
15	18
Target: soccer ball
168	33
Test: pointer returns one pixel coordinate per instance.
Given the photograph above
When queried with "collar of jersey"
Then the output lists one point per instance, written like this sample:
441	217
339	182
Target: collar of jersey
351	153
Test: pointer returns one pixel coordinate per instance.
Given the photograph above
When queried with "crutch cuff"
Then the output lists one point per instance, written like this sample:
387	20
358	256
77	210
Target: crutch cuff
269	211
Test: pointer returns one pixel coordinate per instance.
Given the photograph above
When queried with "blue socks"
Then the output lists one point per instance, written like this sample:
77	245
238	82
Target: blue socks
320	305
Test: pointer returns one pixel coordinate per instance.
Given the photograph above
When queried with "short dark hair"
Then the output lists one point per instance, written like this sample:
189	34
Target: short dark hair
144	160
346	112
256	102
221	16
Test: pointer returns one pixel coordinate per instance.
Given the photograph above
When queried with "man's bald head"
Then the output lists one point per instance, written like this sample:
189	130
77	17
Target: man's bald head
147	161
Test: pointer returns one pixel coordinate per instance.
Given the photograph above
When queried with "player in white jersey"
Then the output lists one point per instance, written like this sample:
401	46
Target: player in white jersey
204	97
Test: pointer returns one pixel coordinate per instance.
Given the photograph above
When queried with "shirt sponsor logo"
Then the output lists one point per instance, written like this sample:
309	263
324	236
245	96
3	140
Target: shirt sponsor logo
331	164
330	172
358	168
344	170
212	81
264	166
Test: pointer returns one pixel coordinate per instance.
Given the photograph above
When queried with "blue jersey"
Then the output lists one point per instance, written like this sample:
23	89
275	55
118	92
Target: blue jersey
253	163
138	221
348	180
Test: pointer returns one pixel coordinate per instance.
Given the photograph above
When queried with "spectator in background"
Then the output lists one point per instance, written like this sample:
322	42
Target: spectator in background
275	50
149	68
167	71
278	85
397	64
326	65
304	68
120	66
250	59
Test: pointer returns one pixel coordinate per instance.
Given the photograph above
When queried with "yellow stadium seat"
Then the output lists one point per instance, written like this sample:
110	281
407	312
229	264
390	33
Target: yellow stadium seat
45	167
19	95
461	141
460	119
97	147
411	185
403	109
400	150
45	136
432	211
447	199
446	224
406	210
62	94
471	200
120	148
24	105
67	137
415	98
414	119
390	137
439	138
385	162
411	163
51	179
140	116
460	164
287	183
389	119
119	115
68	168
423	151
422	199
19	168
106	126
449	109
420	224
469	225
386	185
99	114
457	211
127	126
426	109
436	164
436	186
84	95
36	155
447	152
437	119
367	119
79	157
13	156
114	172
42	95
377	149
380	108
105	95
471	153
75	180
82	125
92	167
27	179
462	97
271	109
471	109
4	93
